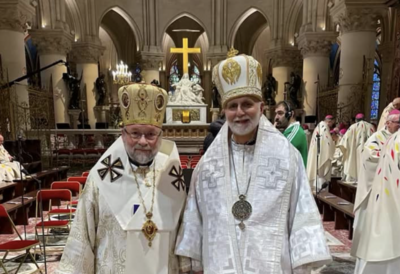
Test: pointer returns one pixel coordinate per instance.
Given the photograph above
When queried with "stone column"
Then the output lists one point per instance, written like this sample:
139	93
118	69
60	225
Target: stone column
315	48
387	54
358	36
13	18
86	57
284	61
53	45
151	64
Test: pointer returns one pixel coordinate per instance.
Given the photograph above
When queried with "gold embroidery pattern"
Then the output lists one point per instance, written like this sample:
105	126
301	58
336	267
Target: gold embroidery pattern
142	101
244	91
194	114
231	71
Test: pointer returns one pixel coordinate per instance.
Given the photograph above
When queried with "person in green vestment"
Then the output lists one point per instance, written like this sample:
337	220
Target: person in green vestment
285	121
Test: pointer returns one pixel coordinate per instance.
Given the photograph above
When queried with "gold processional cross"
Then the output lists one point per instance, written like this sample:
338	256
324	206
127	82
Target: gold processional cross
185	50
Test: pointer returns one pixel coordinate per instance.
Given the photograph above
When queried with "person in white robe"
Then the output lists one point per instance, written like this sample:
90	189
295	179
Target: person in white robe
129	213
9	168
351	146
370	159
395	104
325	156
250	208
378	245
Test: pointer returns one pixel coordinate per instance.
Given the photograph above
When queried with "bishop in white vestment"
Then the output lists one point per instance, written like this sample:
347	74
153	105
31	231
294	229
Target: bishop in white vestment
369	162
325	156
351	146
129	213
250	208
395	104
9	169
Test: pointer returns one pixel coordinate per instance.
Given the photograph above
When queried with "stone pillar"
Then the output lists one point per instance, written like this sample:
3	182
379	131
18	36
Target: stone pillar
86	57
13	18
315	48
151	64
358	35
53	45
387	53
284	61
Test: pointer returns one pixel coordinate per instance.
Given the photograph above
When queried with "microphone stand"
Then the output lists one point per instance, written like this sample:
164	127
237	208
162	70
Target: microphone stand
318	152
22	180
39	183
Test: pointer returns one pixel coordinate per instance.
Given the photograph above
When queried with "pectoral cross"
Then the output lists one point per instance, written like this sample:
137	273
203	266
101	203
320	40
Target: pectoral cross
185	50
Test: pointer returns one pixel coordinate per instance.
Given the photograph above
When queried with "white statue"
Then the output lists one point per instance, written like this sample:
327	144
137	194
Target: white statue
187	93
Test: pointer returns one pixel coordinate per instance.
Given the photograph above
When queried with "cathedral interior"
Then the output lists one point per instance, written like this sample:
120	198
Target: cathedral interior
63	61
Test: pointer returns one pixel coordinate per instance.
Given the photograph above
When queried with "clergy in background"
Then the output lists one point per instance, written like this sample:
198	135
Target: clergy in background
351	146
128	215
9	168
250	208
369	162
321	138
379	243
395	104
285	119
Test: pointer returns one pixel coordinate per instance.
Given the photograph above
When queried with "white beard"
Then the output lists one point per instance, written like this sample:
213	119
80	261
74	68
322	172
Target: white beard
244	129
142	157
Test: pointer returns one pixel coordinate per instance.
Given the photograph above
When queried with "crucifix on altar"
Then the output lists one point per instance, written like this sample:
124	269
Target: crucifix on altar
186	105
185	50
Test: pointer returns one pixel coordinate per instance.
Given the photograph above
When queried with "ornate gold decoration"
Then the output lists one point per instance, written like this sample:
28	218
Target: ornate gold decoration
232	52
185	116
185	51
149	228
231	71
177	114
146	104
259	73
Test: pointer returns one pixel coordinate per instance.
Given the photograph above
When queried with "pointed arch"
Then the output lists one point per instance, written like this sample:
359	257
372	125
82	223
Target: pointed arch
129	20
242	18
76	18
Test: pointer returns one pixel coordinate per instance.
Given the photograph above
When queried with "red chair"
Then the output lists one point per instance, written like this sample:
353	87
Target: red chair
183	166
74	187
16	245
80	179
85	174
196	157
47	195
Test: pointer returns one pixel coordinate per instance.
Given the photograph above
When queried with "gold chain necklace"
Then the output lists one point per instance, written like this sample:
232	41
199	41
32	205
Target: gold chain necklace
149	228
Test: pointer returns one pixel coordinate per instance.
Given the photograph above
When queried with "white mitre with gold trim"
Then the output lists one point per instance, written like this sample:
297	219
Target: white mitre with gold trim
238	76
142	104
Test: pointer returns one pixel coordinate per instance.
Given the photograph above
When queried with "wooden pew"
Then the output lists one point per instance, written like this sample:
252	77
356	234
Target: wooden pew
344	190
12	195
338	210
16	211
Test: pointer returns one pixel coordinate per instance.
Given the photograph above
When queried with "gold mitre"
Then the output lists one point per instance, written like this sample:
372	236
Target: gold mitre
238	76
142	104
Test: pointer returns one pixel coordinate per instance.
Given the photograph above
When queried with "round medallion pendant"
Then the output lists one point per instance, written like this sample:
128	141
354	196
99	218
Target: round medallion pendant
242	209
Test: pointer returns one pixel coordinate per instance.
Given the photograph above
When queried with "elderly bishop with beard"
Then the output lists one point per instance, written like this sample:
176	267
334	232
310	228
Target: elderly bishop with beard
129	212
250	208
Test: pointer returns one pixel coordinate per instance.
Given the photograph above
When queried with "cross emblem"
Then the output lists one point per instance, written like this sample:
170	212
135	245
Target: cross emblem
272	173
185	50
179	181
111	168
142	100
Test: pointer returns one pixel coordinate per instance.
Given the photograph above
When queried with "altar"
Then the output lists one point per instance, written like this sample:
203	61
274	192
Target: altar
197	114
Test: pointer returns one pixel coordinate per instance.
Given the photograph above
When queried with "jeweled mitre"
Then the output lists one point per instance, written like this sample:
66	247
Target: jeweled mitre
238	76
142	104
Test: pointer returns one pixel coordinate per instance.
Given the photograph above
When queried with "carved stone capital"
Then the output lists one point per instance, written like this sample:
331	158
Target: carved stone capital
353	18
283	57
316	43
51	41
151	60
215	58
15	14
86	53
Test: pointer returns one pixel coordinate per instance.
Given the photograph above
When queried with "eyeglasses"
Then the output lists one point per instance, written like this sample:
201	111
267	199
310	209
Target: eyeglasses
151	136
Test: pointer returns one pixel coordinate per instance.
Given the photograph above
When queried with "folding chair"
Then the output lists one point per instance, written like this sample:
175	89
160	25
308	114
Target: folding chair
85	174
74	187
47	195
16	245
81	180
